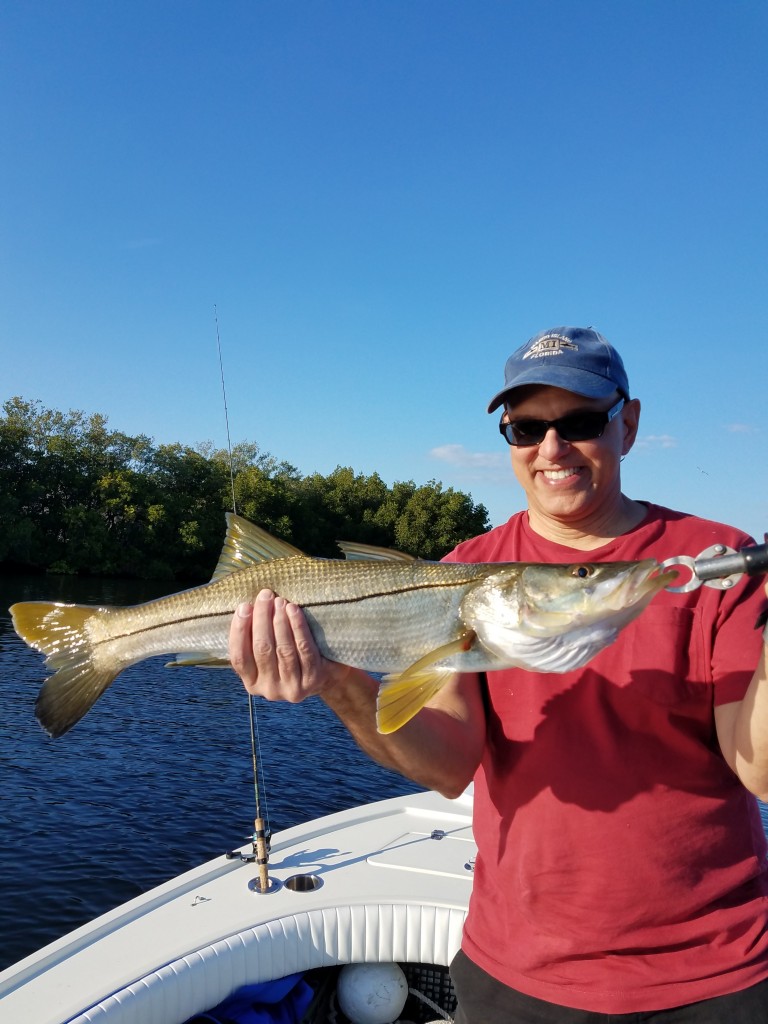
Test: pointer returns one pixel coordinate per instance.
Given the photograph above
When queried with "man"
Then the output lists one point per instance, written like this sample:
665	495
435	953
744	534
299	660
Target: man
622	871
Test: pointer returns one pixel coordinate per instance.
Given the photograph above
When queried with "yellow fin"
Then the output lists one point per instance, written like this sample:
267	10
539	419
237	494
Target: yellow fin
403	695
198	660
60	631
247	544
458	646
52	626
369	553
400	699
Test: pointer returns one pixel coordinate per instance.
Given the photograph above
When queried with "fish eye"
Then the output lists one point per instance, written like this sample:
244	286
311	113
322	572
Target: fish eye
582	571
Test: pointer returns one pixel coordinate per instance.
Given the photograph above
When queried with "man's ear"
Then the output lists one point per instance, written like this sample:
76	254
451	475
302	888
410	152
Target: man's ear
630	415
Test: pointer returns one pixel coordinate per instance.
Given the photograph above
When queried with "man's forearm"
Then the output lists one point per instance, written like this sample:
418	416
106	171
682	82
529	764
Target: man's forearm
742	730
439	748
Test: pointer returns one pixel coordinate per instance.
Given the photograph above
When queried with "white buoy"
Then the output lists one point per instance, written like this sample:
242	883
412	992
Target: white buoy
372	993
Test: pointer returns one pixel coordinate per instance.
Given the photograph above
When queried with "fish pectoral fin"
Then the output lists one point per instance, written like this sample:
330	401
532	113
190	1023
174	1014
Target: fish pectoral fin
401	698
460	645
403	695
201	659
355	552
247	544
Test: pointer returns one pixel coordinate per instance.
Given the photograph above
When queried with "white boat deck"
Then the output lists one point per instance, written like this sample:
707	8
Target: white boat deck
395	882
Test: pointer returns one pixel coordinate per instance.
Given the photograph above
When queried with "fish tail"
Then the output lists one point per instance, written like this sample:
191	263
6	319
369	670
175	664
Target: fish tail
61	631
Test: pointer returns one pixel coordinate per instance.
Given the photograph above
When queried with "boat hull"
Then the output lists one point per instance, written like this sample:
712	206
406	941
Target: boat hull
383	882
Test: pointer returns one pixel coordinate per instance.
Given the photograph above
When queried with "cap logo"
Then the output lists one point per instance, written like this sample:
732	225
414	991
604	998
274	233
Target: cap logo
550	345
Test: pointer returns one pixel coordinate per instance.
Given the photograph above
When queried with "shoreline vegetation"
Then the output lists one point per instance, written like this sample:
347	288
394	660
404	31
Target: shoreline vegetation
78	498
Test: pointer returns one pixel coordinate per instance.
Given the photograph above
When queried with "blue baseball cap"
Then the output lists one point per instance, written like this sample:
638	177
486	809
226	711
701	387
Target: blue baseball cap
575	359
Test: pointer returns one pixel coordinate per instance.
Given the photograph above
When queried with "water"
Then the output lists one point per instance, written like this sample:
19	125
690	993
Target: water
155	779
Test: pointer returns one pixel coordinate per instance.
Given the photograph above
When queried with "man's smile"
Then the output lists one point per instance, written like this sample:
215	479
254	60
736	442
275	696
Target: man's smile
559	474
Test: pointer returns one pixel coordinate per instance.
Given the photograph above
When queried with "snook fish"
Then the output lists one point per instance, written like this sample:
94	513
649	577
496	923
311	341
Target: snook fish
378	610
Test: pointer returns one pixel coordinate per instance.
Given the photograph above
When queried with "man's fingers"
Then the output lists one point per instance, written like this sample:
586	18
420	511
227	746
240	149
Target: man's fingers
263	633
286	655
302	636
272	649
241	645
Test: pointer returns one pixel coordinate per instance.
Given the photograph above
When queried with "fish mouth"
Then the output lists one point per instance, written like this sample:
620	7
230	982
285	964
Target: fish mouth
639	585
650	578
665	577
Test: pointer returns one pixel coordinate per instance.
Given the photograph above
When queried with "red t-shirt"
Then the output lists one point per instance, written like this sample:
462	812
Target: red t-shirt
621	864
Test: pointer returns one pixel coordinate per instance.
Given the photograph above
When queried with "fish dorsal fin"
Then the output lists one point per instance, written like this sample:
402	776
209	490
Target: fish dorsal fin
247	544
355	552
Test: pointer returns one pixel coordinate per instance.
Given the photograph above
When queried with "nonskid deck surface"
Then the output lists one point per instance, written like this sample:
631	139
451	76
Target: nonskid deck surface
384	881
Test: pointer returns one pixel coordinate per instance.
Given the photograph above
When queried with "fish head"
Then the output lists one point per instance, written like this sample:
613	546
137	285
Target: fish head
554	618
552	597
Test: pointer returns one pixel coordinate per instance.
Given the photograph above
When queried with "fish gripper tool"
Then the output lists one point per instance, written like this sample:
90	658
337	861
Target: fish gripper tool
719	566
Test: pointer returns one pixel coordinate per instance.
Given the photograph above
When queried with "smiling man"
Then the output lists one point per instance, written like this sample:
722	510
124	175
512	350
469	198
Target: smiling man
622	870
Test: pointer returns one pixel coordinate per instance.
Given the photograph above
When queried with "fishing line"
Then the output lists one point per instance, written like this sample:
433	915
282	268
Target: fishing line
261	832
226	411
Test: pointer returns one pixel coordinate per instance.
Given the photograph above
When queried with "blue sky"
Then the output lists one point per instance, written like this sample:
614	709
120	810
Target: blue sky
381	200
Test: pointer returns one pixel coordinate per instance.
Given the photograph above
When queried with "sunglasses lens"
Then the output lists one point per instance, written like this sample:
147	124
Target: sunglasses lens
582	427
526	432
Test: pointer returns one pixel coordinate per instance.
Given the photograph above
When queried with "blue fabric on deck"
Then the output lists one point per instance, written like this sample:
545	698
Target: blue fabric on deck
272	1002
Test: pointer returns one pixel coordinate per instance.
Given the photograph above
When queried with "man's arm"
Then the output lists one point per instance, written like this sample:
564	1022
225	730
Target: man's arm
439	748
742	731
272	650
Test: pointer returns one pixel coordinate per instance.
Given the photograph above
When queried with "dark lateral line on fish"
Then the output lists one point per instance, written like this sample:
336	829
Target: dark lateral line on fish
315	604
385	593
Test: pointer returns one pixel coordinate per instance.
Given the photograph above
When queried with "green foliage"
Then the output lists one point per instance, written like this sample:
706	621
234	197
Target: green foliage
76	497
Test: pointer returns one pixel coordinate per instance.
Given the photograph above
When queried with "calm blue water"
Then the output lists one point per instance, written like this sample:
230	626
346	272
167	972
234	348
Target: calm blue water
155	779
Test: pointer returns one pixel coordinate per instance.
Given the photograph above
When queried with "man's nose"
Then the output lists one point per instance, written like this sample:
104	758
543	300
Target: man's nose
553	445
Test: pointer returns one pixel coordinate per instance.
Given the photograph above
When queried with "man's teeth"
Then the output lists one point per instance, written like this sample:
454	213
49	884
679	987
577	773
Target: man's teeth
559	474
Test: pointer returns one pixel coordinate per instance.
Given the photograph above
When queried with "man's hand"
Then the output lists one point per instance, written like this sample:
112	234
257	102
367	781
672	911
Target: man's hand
274	653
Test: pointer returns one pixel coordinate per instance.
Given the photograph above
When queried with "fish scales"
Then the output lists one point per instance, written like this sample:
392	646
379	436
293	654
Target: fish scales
369	599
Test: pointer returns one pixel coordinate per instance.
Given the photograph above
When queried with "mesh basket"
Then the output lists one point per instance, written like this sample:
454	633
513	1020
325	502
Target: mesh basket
430	989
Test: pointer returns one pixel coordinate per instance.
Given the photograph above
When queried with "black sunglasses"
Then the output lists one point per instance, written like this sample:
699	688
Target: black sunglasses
577	426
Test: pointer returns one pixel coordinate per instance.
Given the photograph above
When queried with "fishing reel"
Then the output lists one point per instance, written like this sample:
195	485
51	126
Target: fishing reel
252	857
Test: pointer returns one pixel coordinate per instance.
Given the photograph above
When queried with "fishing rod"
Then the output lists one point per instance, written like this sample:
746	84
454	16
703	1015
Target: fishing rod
260	840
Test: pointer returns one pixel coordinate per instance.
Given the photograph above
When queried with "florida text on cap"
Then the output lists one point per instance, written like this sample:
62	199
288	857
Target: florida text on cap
576	359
